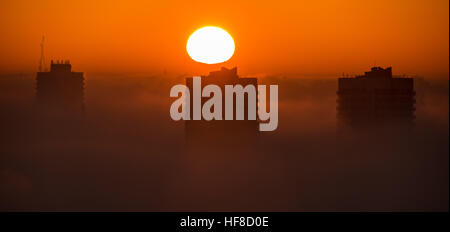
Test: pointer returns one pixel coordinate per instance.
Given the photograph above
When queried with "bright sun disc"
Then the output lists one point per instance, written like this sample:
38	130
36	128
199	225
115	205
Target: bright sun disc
210	45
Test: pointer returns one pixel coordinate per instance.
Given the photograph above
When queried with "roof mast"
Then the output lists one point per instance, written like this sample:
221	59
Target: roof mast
42	60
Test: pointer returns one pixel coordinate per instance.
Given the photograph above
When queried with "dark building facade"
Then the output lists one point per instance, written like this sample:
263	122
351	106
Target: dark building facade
60	89
222	133
375	98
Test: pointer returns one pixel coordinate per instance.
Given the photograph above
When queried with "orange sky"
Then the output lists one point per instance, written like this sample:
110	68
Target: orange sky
319	38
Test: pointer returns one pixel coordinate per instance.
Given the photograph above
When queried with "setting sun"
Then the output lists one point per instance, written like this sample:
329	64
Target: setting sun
210	45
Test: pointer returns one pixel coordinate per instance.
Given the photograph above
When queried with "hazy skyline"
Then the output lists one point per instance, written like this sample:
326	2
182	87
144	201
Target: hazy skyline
286	37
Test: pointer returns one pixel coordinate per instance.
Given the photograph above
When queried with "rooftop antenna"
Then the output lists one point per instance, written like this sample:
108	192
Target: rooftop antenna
42	61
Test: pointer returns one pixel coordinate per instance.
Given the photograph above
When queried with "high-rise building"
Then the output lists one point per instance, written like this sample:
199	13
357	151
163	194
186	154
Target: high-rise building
220	133
60	89
375	98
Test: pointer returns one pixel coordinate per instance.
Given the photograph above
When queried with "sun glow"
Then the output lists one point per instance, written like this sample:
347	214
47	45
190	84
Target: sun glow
210	45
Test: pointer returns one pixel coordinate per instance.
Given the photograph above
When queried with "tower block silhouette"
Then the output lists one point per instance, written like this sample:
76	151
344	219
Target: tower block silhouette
60	89
222	133
376	98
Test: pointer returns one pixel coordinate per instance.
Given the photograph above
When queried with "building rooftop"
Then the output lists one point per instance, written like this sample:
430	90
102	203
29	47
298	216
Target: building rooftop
60	66
377	72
